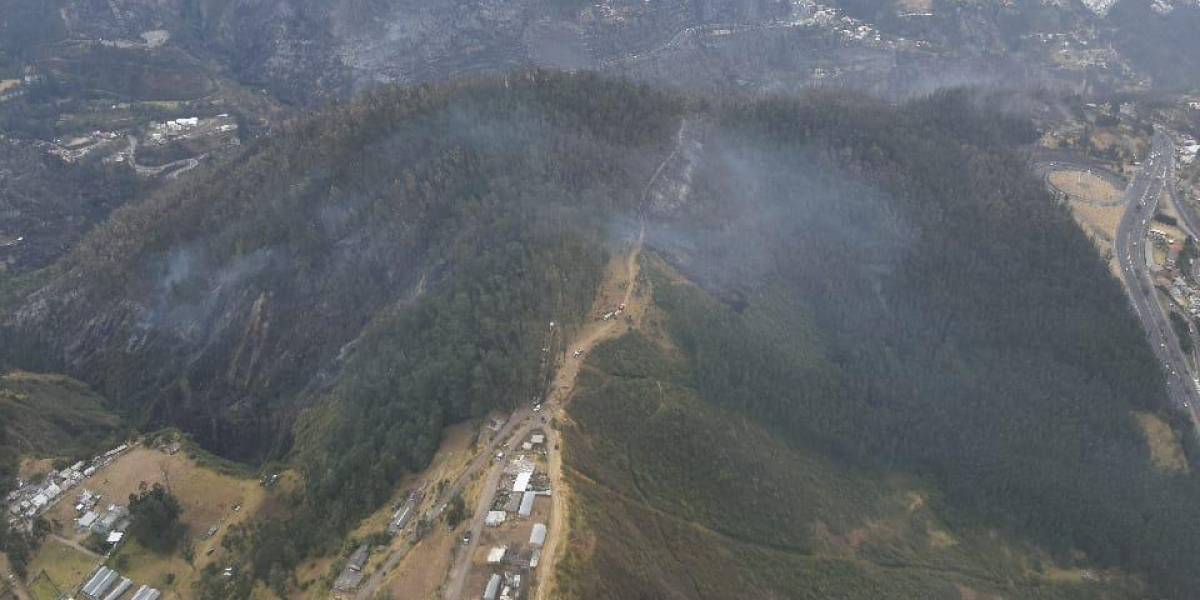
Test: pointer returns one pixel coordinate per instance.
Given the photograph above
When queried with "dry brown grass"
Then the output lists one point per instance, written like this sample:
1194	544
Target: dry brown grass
1101	221
1100	224
150	568
421	571
34	466
1085	186
1165	451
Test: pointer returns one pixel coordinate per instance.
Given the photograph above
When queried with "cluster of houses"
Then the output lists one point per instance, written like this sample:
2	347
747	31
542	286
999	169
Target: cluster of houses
352	574
515	566
32	499
1187	151
1183	293
160	133
520	487
110	523
107	584
76	148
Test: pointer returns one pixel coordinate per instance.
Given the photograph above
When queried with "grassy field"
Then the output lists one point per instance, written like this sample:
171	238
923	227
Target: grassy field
171	574
64	566
43	589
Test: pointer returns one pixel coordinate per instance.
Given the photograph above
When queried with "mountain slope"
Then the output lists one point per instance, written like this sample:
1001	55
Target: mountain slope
674	497
53	416
897	293
342	291
879	290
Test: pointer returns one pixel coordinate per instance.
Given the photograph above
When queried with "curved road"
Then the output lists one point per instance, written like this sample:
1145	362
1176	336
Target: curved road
1048	167
1142	197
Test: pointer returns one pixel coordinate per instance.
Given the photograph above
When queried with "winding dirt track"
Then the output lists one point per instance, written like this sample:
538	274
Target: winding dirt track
619	286
564	382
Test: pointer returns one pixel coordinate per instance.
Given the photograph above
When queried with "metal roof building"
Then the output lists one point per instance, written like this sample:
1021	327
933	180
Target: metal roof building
494	518
146	593
493	588
496	555
537	537
90	586
88	519
120	589
521	483
527	504
100	582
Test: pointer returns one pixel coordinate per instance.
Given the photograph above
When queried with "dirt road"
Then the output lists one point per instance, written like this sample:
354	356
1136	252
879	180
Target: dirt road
618	287
564	383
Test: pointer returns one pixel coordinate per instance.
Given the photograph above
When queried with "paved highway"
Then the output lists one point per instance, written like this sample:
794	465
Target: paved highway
1141	197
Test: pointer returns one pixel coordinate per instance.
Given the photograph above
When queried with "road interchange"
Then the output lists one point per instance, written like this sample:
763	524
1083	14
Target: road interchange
1141	201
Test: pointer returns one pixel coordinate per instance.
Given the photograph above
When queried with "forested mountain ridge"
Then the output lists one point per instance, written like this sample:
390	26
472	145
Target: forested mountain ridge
339	292
896	292
221	301
880	285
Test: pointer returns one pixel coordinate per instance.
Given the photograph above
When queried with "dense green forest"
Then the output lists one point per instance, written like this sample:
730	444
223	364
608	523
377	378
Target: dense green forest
970	333
678	497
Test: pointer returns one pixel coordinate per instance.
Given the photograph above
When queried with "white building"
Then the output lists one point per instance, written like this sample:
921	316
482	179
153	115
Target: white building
527	504
493	588
537	537
88	519
521	483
